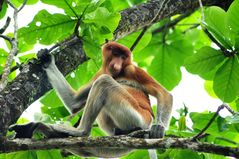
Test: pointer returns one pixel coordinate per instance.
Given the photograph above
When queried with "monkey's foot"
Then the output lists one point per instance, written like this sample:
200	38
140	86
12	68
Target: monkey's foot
45	57
23	131
156	131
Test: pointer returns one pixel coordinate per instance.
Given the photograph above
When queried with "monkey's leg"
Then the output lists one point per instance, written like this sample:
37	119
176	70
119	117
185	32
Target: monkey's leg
48	130
108	96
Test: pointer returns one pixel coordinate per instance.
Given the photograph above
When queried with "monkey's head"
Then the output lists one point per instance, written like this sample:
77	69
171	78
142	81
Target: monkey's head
115	58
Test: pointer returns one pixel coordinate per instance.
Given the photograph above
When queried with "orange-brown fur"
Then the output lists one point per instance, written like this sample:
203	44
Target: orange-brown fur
131	72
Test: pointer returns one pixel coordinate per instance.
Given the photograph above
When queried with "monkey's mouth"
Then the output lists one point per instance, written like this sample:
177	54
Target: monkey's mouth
114	73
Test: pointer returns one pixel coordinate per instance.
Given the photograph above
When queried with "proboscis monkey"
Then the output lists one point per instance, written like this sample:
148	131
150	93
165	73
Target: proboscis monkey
117	98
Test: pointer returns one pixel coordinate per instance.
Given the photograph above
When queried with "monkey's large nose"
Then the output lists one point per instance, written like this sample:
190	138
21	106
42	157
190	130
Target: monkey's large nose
117	67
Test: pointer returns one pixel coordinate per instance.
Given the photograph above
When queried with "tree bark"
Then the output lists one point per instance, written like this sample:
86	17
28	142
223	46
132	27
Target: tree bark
32	83
116	142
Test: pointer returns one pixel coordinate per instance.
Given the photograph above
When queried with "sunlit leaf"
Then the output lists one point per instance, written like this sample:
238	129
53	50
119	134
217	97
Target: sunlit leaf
75	8
49	154
130	39
47	28
204	61
4	10
226	85
163	69
233	17
29	2
208	85
215	19
102	17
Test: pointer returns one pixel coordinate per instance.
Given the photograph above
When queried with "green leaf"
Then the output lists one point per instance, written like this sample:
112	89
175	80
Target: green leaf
200	120
71	7
204	61
233	119
182	154
39	117
182	123
51	154
130	39
179	50
102	17
47	28
57	113
47	100
3	57
233	17
235	105
215	19
22	155
142	154
91	47
119	5
29	2
226	85
163	69
4	10
208	85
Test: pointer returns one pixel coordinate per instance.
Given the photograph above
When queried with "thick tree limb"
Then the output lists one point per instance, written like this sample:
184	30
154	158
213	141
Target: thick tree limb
116	142
32	83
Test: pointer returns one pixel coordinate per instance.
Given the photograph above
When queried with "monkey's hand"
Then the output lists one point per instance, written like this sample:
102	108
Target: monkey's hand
45	57
156	131
24	130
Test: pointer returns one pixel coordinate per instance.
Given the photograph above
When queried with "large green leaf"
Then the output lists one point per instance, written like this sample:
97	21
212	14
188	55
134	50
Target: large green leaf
3	57
130	39
179	50
226	85
215	19
29	2
75	8
103	18
233	17
182	154
20	155
51	154
142	154
205	60
163	69
47	28
4	10
200	120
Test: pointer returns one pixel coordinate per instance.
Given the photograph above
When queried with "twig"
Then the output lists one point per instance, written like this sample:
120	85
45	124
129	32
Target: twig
168	25
222	48
14	68
2	30
138	38
23	5
165	2
190	28
227	140
172	23
211	120
71	8
14	49
6	38
76	31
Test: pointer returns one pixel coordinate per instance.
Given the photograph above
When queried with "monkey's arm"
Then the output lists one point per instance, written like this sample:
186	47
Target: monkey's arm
164	102
74	101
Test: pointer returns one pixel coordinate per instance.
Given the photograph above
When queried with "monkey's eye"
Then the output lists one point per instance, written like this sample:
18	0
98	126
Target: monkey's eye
116	53
123	57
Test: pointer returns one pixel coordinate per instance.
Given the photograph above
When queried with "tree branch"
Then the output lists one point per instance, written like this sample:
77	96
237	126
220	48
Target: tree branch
32	83
211	121
115	142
